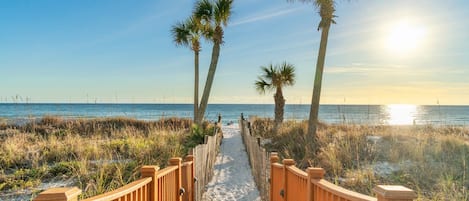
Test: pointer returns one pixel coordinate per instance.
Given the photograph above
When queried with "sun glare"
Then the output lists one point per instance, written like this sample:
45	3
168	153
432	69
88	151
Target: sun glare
404	37
401	114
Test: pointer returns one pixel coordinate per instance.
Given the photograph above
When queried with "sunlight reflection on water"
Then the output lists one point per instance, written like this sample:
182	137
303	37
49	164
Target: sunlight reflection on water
401	114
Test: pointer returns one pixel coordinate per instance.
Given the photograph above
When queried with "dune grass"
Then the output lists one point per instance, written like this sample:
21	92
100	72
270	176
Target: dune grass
97	155
428	159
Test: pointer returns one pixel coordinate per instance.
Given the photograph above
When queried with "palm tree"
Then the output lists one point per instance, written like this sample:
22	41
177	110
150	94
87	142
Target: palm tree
275	78
326	11
188	34
212	17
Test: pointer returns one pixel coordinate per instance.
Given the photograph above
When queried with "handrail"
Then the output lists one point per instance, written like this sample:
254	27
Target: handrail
155	185
296	171
310	185
341	192
122	191
277	165
166	171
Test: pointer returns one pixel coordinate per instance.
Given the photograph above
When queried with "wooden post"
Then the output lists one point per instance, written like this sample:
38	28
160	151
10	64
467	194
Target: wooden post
177	162
151	171
59	194
394	193
273	159
286	164
313	173
191	179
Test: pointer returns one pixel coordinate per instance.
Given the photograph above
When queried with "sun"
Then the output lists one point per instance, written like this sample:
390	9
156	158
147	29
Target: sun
405	37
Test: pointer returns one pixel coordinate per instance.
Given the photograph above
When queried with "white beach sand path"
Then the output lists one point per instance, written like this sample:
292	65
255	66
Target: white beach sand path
232	178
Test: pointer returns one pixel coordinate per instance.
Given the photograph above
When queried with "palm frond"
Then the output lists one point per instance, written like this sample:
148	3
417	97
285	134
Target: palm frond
273	77
180	34
287	72
267	72
261	85
203	12
222	12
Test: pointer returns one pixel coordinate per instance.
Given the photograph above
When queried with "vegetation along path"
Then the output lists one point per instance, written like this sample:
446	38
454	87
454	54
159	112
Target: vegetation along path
232	178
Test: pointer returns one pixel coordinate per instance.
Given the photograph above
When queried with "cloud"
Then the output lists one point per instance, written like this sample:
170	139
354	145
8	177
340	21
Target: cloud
264	16
366	68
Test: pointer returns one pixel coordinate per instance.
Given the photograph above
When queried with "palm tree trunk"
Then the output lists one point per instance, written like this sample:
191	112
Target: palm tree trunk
209	82
196	86
279	107
313	115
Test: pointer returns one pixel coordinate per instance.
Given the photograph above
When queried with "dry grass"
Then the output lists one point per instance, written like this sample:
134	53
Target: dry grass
431	160
99	155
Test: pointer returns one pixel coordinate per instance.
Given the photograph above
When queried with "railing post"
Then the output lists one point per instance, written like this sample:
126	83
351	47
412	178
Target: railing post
394	193
273	159
151	171
286	164
59	194
190	158
177	162
313	173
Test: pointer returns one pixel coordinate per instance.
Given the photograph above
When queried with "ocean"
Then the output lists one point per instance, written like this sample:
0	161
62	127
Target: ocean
348	114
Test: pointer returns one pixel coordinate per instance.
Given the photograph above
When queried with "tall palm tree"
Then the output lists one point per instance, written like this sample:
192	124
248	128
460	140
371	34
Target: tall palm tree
188	34
212	17
326	11
275	78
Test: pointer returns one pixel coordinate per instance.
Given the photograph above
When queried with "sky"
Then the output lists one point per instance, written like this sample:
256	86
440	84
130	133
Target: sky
116	51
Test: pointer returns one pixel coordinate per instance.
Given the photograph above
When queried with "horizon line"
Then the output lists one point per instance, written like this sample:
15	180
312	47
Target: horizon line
182	103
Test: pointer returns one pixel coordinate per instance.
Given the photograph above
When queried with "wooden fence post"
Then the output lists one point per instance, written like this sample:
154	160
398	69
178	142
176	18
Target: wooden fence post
313	173
273	159
286	164
59	194
177	162
151	171
394	193
191	179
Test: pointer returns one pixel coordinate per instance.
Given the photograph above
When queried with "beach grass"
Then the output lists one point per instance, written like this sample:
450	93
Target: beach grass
96	155
432	160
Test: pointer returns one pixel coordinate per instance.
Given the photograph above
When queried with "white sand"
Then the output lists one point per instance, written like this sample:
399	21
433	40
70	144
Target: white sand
232	179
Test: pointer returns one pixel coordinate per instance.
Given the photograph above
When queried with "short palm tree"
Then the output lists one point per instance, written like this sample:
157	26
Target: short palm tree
188	34
212	16
326	11
275	78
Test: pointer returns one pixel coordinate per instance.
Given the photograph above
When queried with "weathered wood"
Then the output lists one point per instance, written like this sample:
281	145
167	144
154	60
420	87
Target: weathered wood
205	157
258	159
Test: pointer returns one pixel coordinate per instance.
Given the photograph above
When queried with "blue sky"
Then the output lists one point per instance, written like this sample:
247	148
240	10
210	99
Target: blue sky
122	51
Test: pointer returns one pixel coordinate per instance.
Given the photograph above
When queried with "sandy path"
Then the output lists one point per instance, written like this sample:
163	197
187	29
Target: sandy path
232	179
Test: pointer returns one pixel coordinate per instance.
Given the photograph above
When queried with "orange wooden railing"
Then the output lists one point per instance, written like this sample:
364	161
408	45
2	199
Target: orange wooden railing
288	183
174	183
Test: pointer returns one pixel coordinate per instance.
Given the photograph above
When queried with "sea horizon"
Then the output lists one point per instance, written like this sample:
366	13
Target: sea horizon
182	103
394	114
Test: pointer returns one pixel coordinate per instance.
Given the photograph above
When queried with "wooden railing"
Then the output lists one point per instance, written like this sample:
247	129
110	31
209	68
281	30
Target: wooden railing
289	183
174	183
180	181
